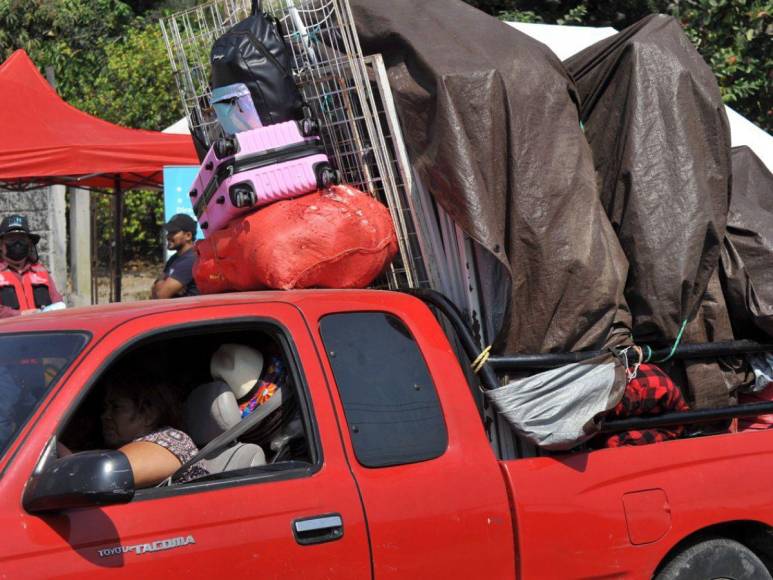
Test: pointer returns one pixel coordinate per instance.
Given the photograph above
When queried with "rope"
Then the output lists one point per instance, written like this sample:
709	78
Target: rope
623	356
481	359
648	356
676	343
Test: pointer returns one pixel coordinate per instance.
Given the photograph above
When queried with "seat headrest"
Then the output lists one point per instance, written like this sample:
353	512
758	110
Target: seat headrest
210	410
238	365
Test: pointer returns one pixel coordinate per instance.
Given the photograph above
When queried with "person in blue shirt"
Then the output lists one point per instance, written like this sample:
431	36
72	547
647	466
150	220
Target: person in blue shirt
177	278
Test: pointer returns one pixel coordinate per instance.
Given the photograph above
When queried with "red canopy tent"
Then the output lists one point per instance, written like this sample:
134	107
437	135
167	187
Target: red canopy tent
46	141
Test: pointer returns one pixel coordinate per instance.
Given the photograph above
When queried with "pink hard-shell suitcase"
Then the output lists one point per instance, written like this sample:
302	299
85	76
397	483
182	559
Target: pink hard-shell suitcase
253	168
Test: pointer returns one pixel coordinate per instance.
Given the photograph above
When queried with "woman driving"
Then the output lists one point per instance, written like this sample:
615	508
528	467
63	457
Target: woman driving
140	418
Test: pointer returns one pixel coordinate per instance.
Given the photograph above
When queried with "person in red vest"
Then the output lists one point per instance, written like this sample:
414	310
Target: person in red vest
25	284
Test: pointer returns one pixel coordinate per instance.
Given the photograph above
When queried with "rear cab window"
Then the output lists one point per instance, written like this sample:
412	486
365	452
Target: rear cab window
389	399
30	365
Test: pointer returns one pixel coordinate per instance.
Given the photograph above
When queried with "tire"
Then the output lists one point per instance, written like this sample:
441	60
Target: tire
715	559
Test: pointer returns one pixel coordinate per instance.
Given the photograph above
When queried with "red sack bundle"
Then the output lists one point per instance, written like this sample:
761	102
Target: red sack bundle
339	238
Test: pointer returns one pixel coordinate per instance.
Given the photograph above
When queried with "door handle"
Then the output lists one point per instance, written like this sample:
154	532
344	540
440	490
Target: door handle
318	529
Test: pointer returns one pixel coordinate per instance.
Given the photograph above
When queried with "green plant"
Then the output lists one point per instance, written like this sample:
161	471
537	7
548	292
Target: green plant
144	211
519	16
135	86
143	217
67	35
735	39
575	15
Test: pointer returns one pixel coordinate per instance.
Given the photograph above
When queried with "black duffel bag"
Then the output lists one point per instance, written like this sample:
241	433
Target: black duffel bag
253	52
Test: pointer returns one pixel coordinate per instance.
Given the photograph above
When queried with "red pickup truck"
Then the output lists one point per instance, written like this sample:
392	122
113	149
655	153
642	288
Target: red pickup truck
395	476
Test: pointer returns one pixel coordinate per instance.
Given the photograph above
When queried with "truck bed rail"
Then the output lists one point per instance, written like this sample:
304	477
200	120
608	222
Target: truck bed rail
496	365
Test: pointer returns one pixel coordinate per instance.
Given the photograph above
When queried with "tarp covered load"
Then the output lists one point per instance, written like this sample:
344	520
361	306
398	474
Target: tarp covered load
491	123
654	117
747	255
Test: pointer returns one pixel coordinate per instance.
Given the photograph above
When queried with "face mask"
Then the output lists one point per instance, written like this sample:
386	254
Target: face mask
17	250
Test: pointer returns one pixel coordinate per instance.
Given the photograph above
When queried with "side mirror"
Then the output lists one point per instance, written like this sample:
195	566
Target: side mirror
88	478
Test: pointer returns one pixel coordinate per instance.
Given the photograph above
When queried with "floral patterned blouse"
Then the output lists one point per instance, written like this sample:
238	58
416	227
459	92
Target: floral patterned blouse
179	444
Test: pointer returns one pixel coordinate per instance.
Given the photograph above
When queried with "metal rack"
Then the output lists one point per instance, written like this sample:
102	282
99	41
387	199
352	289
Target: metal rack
188	36
359	126
360	129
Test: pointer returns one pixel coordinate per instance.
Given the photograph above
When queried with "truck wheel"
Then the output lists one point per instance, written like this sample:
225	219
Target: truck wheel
716	559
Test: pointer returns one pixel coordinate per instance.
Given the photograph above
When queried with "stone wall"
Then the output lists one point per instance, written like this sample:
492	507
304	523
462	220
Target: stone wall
45	212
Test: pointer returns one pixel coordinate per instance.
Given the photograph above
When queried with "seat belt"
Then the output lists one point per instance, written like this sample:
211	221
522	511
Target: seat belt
221	441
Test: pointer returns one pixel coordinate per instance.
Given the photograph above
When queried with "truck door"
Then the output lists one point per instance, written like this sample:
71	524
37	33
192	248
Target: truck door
433	493
288	519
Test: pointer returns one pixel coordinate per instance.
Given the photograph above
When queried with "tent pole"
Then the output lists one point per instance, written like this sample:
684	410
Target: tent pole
118	239
93	249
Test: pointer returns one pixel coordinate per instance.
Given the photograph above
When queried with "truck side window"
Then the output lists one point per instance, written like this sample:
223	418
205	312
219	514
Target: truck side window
30	364
390	402
175	376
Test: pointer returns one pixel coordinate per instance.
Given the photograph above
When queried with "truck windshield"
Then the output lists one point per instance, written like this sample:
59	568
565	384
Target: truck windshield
30	364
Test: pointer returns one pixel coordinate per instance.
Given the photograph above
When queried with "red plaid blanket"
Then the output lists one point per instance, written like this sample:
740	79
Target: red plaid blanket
650	393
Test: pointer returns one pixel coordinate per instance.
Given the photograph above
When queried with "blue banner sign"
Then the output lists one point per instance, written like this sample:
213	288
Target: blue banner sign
178	180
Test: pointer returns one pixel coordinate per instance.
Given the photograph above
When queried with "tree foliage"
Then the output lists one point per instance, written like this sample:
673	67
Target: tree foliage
735	39
109	60
135	87
68	35
733	36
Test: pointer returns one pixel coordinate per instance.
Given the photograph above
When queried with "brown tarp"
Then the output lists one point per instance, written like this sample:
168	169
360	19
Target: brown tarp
712	383
661	144
746	264
491	123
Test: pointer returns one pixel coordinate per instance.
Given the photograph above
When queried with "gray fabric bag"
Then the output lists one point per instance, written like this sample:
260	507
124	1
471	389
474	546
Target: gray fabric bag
560	408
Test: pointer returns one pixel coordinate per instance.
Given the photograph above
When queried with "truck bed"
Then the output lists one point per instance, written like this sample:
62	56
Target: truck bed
639	502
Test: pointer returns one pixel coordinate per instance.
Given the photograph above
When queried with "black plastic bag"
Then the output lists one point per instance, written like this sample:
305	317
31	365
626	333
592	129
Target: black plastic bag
253	52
